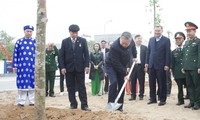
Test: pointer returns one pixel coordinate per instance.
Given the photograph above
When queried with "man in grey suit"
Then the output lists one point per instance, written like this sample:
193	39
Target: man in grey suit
138	70
158	62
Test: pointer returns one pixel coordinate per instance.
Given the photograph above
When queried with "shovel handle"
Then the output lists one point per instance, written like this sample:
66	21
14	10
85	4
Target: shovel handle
122	89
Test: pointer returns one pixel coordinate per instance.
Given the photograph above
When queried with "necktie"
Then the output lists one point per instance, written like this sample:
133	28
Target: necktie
73	44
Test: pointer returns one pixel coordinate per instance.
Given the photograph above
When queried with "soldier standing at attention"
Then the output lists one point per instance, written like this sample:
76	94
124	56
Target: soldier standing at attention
191	65
177	65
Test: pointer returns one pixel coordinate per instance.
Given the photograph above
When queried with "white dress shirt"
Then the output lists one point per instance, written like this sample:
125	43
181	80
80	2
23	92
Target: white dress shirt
138	60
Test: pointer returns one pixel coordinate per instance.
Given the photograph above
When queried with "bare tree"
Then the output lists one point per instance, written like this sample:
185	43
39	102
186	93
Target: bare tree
40	61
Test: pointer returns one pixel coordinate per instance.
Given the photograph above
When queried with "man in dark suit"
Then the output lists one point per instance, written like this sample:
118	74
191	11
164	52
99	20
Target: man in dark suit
117	62
138	70
158	62
104	50
74	63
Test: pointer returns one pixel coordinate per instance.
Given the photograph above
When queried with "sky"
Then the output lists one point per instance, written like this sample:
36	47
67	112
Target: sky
96	17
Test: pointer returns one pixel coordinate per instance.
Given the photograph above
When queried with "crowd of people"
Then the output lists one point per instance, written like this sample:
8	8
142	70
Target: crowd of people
108	67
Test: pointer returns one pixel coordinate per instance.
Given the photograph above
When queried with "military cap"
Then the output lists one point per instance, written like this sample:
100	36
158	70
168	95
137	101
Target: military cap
179	35
74	28
190	26
29	27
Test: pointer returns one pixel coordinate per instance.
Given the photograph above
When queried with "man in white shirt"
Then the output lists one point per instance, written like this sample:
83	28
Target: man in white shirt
105	50
138	71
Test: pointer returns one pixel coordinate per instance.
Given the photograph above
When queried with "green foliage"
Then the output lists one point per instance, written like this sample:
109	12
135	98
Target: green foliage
156	9
6	40
152	2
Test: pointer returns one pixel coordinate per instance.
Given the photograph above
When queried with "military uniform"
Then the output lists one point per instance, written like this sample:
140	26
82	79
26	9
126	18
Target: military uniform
177	65
191	64
51	67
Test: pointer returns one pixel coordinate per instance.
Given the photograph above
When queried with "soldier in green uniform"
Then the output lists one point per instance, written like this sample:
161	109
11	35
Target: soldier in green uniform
51	67
177	65
191	65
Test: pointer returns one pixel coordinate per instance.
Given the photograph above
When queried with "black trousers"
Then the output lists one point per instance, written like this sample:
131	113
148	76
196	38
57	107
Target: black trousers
180	83
72	79
160	76
106	84
116	83
62	78
137	74
169	82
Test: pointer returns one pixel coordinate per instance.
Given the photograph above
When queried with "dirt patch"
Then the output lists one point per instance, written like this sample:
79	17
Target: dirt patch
57	108
13	112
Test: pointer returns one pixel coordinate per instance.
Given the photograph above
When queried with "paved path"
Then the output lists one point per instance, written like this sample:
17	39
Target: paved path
8	82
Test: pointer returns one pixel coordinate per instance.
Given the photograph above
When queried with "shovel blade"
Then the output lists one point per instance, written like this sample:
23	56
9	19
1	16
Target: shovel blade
113	106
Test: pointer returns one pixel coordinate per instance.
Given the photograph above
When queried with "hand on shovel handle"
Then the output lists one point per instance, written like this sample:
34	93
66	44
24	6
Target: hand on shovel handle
126	77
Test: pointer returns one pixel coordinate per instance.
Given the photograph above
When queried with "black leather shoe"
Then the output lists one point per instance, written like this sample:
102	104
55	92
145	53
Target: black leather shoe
20	105
195	107
120	110
151	102
180	103
31	104
131	99
189	105
86	109
52	95
73	107
141	98
161	103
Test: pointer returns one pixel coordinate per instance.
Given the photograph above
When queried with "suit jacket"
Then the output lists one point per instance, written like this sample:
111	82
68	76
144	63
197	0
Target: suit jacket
177	63
159	53
96	59
191	54
107	50
143	54
74	59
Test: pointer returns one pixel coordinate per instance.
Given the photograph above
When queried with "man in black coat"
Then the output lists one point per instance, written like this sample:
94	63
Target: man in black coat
158	62
117	63
105	50
74	63
138	70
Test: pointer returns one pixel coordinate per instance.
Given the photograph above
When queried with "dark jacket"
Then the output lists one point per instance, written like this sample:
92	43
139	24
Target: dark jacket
191	54
74	59
119	57
143	55
50	61
177	64
96	58
158	53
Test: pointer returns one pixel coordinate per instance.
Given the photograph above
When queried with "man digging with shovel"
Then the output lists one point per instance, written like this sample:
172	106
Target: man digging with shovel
117	62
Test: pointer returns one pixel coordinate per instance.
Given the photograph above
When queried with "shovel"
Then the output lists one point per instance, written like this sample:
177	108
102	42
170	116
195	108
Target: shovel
114	106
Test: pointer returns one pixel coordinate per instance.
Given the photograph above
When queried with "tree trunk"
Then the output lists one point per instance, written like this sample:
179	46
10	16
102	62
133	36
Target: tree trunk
40	61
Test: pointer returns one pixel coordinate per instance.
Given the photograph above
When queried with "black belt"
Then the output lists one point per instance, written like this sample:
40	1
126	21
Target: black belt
138	64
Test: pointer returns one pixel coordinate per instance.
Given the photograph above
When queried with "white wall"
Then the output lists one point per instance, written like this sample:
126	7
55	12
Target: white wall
2	67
